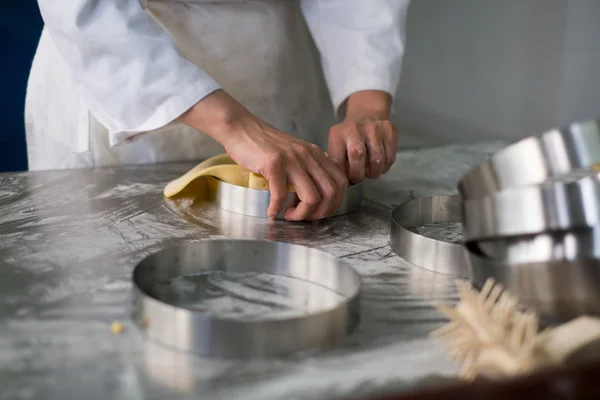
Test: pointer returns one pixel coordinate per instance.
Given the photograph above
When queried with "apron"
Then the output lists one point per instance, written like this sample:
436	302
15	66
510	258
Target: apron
260	52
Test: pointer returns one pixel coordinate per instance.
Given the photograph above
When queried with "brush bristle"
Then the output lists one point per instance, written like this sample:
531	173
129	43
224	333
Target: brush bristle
487	321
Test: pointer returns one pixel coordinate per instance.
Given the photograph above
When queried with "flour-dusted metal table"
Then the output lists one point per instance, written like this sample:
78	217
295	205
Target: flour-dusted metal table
70	239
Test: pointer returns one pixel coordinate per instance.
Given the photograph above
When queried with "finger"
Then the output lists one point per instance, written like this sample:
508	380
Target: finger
278	192
328	189
307	194
338	174
375	152
340	180
336	149
390	144
357	156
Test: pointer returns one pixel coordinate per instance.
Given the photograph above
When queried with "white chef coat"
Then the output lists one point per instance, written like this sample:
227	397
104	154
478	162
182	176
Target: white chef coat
110	77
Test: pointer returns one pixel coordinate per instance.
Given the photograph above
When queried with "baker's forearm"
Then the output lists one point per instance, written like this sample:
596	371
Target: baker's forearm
218	115
368	105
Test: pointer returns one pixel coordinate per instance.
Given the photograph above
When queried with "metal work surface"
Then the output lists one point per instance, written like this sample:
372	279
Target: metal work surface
69	241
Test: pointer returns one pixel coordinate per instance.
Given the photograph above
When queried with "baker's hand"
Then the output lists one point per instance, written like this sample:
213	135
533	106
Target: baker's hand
364	145
281	158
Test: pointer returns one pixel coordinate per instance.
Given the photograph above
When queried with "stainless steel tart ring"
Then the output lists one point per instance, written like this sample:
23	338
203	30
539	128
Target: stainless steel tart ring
548	207
556	274
565	245
253	202
434	255
315	322
219	180
535	159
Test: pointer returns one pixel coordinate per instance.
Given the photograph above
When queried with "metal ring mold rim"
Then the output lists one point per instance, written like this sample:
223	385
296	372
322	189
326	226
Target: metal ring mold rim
255	202
535	159
198	332
544	208
427	253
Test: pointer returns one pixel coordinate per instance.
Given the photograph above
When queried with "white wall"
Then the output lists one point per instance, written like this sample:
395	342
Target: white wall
497	69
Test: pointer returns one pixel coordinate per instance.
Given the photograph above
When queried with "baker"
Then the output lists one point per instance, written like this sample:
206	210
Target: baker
130	82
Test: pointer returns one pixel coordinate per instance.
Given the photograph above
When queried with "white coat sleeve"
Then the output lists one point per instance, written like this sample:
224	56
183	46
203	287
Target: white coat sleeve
361	43
129	72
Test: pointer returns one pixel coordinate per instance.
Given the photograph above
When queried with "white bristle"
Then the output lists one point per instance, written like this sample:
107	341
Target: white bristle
487	321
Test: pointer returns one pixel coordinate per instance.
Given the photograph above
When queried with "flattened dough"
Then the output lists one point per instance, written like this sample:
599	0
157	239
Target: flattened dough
223	168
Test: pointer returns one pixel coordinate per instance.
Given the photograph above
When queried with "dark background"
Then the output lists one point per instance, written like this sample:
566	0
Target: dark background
20	28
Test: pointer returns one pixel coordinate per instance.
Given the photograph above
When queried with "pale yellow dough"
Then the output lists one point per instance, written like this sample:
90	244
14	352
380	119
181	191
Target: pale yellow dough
223	168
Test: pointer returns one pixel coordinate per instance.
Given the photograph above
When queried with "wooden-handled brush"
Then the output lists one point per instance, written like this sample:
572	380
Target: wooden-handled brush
488	334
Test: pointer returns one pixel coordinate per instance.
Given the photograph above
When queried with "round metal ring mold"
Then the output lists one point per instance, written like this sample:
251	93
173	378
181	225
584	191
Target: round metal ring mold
434	255
253	202
547	207
558	275
535	159
321	326
553	246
